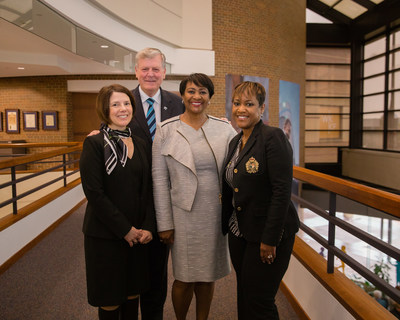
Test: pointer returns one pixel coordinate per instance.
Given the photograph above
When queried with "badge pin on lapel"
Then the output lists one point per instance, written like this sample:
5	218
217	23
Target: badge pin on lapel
252	165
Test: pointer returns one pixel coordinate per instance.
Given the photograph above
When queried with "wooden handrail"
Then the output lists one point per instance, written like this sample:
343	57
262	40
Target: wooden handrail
378	199
35	157
38	145
352	297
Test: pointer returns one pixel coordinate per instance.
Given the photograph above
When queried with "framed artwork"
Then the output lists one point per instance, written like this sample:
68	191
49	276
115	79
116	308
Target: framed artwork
30	120
49	120
1	121
12	120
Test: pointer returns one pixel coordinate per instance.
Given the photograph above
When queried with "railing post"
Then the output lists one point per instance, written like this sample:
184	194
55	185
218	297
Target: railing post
64	170
331	232
14	189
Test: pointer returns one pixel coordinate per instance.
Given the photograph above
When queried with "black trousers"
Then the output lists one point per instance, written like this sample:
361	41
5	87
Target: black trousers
152	301
258	282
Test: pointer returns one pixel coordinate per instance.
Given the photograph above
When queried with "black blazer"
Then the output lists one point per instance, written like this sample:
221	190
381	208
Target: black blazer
171	105
113	208
262	181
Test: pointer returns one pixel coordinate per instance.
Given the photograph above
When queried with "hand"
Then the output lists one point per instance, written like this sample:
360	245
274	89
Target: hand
167	236
94	132
146	237
133	236
267	253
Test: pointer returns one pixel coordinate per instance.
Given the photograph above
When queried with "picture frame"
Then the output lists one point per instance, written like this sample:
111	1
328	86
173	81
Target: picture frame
30	120
12	120
1	121
49	120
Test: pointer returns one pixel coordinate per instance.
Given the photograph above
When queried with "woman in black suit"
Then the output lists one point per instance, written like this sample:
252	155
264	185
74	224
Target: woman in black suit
256	208
119	219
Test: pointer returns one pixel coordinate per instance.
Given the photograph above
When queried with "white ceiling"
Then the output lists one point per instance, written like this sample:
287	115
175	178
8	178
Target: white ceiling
21	48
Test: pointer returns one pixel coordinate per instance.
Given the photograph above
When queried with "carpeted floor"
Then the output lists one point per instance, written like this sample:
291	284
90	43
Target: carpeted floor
48	283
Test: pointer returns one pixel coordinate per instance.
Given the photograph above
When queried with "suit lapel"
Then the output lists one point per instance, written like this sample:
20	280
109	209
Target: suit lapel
232	148
178	148
252	140
166	106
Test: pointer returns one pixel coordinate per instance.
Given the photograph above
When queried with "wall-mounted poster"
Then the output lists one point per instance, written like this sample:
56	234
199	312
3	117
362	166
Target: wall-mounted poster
30	120
289	115
1	121
12	120
231	81
49	120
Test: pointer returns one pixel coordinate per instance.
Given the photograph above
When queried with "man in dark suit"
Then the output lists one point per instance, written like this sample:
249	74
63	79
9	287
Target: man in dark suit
150	72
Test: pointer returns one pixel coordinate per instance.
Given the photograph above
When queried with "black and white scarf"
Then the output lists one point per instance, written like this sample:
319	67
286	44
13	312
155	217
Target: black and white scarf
114	148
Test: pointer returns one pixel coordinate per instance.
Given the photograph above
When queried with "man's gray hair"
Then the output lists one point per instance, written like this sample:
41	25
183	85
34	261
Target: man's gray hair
149	53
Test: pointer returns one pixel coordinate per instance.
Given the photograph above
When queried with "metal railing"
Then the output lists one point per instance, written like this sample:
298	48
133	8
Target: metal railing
9	166
374	198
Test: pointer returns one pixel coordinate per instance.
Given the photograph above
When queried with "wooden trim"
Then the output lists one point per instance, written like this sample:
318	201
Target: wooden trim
350	296
10	219
35	157
38	145
294	302
378	199
39	238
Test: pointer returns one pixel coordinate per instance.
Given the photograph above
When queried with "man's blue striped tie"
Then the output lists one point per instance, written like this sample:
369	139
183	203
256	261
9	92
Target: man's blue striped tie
151	118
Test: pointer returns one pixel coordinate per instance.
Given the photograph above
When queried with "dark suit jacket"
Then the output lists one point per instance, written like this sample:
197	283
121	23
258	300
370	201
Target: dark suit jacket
171	105
113	205
262	182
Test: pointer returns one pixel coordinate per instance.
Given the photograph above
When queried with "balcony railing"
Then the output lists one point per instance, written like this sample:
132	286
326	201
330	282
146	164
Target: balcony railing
62	161
383	201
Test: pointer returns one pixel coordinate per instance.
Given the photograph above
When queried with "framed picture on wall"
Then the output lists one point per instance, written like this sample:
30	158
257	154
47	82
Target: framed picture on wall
30	120
12	120
1	121
49	120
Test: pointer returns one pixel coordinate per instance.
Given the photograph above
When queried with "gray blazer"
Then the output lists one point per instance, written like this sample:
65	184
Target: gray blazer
174	171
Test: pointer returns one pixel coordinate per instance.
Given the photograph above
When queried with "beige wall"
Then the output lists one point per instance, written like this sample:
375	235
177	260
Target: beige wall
378	167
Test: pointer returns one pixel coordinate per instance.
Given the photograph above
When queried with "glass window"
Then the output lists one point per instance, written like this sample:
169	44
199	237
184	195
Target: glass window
394	60
328	72
374	48
327	89
327	105
393	141
318	155
374	103
394	80
373	121
327	122
327	138
374	85
395	40
327	119
373	140
394	100
374	66
394	120
328	55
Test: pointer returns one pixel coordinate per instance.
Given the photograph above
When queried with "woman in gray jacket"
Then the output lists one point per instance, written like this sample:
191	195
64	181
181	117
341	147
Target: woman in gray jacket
188	154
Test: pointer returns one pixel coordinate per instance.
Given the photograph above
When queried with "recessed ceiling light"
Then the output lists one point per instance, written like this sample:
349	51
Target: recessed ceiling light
104	46
21	68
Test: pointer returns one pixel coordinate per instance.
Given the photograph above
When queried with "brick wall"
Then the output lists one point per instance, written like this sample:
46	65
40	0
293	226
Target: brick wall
264	38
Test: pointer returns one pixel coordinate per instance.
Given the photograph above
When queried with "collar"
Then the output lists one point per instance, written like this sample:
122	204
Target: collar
156	97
